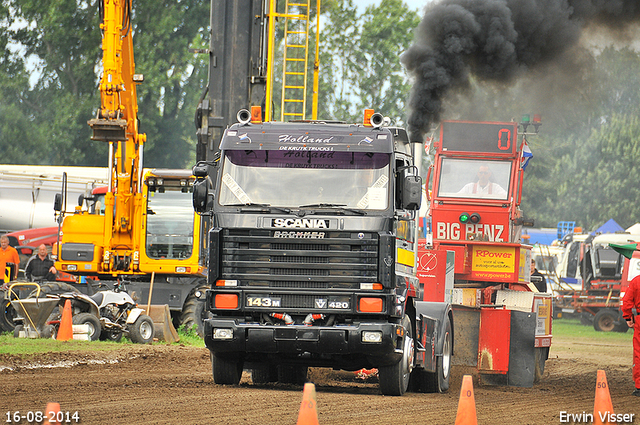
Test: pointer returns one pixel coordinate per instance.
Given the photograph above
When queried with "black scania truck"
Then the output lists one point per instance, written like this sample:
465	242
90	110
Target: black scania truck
312	256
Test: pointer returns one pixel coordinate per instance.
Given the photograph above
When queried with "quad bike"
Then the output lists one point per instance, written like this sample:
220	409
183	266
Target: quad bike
109	314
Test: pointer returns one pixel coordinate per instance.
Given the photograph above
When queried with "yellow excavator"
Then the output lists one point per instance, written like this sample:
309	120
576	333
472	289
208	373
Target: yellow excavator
141	228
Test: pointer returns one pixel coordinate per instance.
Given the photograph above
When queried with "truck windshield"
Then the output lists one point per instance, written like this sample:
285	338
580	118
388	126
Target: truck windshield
169	224
472	178
295	178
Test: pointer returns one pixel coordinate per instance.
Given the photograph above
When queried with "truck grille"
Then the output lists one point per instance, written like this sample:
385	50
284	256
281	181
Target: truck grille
340	260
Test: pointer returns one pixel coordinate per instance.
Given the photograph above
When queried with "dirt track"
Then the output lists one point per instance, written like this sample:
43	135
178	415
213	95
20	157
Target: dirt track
173	385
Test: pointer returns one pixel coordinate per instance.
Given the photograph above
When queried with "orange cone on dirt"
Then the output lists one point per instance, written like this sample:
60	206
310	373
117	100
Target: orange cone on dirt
308	414
467	404
52	412
602	407
65	332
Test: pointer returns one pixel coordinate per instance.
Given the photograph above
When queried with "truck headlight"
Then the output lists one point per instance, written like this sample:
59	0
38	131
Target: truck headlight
222	333
372	336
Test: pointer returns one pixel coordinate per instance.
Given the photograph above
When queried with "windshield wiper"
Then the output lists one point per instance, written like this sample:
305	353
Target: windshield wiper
341	207
253	204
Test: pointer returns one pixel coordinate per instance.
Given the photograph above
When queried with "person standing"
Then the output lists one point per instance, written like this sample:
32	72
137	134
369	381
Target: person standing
8	254
40	266
630	301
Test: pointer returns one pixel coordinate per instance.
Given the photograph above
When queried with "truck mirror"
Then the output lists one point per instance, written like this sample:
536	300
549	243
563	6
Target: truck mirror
80	200
412	192
57	202
200	195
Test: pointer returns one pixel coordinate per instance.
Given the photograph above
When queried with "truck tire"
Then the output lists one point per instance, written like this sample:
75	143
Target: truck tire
94	324
438	381
227	370
541	356
193	311
264	373
292	374
605	320
141	331
394	379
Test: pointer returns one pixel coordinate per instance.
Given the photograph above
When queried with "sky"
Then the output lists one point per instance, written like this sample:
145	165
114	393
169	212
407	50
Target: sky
413	4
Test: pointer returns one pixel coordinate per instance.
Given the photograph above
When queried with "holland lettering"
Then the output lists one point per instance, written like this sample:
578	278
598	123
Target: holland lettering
287	138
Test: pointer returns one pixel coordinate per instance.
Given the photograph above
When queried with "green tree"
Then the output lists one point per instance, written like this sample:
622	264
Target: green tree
606	183
59	41
387	31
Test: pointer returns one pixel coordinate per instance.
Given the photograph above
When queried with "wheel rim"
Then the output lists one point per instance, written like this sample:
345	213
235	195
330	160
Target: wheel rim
146	330
409	357
446	355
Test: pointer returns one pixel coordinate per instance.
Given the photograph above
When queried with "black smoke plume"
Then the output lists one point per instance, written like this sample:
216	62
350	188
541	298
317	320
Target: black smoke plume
496	40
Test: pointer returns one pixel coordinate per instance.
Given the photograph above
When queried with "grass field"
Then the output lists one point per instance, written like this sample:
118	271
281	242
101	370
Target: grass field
25	347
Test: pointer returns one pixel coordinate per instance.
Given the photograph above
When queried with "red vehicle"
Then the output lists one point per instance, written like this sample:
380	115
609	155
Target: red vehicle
477	260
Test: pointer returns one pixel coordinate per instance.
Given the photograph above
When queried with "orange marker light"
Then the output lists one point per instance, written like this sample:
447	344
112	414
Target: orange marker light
256	114
370	305
367	117
227	301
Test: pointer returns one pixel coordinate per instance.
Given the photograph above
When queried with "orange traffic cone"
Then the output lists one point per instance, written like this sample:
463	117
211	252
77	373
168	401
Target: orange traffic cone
65	332
602	408
467	404
53	413
308	414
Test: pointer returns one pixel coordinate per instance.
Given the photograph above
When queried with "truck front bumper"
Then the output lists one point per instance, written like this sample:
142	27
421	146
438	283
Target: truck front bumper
340	340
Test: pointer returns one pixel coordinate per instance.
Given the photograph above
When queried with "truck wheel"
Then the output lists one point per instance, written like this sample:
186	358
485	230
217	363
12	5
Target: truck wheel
292	374
605	320
438	381
226	370
91	320
193	311
541	356
141	331
264	373
394	379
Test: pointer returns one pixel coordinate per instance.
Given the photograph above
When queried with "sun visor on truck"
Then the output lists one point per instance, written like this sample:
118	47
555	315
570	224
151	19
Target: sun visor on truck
293	137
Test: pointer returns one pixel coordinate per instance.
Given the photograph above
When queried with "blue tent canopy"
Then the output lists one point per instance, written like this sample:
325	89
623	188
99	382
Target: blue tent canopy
609	227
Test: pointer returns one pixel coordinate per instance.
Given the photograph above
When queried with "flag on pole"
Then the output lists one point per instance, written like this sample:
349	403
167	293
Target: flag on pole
526	155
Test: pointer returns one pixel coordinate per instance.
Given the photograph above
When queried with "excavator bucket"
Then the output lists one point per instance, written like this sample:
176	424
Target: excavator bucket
162	325
108	130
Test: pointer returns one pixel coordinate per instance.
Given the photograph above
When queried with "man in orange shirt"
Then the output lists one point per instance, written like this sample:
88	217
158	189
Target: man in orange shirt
630	301
8	254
